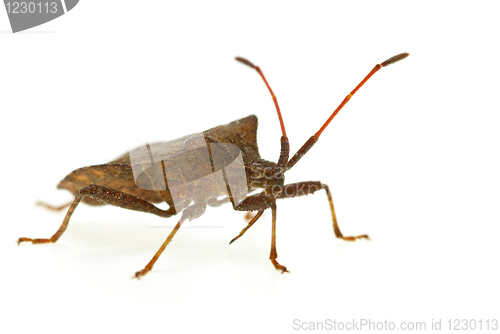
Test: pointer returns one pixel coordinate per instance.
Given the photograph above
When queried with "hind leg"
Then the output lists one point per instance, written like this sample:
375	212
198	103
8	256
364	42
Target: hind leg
51	207
107	196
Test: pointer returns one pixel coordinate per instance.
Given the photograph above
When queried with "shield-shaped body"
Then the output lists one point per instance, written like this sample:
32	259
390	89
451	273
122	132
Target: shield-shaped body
193	168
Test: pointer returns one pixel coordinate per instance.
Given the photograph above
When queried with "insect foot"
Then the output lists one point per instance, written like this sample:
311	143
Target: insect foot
33	241
364	236
141	273
279	266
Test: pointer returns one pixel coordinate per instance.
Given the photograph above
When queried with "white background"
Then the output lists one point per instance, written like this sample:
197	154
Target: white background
412	160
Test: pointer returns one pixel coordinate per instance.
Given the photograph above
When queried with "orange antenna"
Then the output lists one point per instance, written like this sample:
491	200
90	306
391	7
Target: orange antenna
377	67
275	100
314	139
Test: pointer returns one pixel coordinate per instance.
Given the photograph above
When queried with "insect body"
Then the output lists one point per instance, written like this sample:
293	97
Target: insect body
197	170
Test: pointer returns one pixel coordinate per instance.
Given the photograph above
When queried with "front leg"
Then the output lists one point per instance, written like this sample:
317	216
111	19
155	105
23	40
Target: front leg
250	223
309	187
262	202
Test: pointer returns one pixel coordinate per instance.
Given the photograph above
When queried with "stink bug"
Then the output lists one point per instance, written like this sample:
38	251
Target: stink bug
220	165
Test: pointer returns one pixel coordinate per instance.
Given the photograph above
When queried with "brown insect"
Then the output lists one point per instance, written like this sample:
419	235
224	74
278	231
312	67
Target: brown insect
220	165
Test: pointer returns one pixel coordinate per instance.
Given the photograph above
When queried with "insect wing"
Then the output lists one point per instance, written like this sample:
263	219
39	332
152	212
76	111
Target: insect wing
191	169
228	161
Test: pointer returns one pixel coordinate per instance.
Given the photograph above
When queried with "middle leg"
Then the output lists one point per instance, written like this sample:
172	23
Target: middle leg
191	212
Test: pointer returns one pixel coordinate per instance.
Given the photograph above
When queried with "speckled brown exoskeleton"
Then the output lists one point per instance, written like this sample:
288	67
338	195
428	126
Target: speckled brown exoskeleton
220	165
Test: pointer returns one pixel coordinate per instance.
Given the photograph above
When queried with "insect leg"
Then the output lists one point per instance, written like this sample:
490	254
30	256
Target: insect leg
309	187
259	202
192	212
107	196
214	202
53	208
274	254
250	223
262	202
